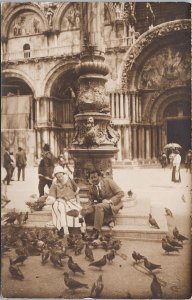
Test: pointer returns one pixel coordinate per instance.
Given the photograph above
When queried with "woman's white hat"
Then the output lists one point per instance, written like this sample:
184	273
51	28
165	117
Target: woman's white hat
58	169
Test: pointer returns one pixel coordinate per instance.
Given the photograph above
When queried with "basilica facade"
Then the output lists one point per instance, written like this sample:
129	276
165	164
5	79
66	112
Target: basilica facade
146	48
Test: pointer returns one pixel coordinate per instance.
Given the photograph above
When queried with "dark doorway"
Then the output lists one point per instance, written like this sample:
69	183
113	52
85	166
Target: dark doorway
179	131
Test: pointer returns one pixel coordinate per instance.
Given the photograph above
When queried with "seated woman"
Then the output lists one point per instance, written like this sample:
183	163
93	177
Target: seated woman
63	196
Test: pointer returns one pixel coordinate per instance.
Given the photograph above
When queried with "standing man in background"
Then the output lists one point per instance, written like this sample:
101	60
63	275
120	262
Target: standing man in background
21	162
45	170
7	165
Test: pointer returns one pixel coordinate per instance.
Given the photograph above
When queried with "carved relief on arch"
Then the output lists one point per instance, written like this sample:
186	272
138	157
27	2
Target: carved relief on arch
71	17
26	23
149	37
20	9
167	68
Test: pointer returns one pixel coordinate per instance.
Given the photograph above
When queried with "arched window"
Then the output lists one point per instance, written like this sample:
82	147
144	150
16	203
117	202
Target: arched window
26	50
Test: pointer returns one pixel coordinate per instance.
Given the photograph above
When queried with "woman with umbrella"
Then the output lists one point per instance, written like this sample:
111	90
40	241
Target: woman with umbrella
176	177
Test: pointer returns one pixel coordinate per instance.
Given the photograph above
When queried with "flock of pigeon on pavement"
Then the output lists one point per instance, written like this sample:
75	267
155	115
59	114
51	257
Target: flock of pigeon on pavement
45	243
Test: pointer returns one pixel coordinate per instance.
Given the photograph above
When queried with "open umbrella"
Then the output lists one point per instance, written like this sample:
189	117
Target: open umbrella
172	146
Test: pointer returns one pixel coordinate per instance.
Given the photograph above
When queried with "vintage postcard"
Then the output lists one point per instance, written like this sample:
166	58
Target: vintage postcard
96	150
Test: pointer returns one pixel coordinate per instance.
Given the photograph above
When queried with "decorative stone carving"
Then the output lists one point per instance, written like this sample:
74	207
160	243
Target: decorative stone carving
27	23
146	39
91	96
49	14
150	15
167	68
88	134
129	14
112	135
71	19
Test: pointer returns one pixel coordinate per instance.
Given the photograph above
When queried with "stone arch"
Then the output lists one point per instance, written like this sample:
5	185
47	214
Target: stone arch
144	47
54	73
156	110
21	75
14	11
60	12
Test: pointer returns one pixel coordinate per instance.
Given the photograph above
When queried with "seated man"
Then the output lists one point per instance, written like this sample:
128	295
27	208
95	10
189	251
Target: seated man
105	198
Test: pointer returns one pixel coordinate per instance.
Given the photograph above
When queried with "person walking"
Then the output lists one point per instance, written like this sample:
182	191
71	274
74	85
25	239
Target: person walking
176	176
21	162
164	160
7	165
188	161
45	169
105	199
13	165
171	157
63	196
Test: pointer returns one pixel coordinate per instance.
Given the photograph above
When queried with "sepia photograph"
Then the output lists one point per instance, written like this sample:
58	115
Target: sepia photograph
96	154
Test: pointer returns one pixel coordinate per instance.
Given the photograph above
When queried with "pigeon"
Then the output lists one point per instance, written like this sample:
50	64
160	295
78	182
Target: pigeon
116	245
168	212
181	238
45	255
167	247
137	256
79	245
10	217
74	267
175	232
153	222
111	255
89	253
150	266
26	216
56	259
183	198
156	288
173	242
130	193
20	259
73	284
19	218
99	263
97	288
15	271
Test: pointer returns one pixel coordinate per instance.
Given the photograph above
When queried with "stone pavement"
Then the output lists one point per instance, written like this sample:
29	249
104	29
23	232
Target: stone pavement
153	184
121	276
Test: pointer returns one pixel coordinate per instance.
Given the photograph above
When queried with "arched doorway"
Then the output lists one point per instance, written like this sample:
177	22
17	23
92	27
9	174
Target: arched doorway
17	115
178	125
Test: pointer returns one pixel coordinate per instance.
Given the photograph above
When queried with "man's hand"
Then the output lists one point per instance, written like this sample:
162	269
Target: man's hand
107	201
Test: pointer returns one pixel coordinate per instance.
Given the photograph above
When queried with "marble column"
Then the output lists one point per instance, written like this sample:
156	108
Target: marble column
126	107
133	107
143	143
140	113
119	145
154	144
126	143
112	105
121	107
38	143
134	129
117	106
147	143
130	142
140	142
52	140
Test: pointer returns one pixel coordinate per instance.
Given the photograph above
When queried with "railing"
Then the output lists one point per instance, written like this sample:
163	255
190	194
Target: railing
56	51
64	50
